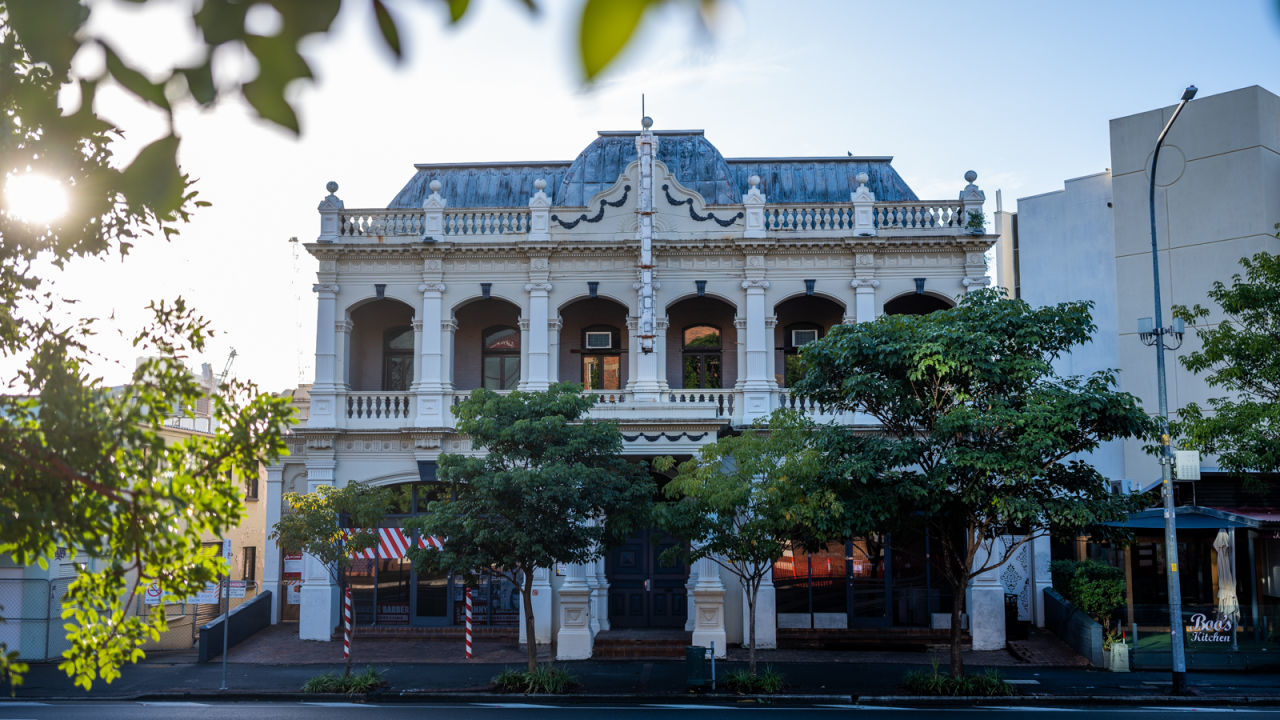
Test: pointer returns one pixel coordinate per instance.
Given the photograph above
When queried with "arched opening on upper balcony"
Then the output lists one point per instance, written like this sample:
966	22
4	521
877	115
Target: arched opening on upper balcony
916	304
487	346
594	343
381	346
800	321
702	344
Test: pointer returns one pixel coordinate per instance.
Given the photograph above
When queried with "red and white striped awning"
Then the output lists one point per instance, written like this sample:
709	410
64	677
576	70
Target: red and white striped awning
393	543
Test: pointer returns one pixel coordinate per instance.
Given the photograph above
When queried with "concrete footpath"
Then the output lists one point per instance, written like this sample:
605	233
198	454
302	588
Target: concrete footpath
419	670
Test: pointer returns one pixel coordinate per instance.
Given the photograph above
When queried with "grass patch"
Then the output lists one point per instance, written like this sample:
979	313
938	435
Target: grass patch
544	679
366	681
764	682
932	682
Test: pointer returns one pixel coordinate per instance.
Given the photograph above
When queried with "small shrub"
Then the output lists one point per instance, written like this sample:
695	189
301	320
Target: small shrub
544	679
1094	588
367	681
766	681
932	682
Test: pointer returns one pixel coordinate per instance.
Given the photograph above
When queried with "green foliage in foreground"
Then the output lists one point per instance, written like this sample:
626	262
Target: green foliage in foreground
1241	355
86	468
766	681
366	681
932	682
981	440
1095	588
547	679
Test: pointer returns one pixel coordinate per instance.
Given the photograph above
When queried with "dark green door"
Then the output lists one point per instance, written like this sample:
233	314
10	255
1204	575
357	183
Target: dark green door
643	591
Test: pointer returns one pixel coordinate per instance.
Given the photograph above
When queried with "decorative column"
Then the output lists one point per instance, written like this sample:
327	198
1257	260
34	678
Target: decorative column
975	259
539	213
574	641
448	327
341	355
553	343
689	584
708	608
753	210
757	387
330	215
771	357
271	551
1040	579
865	298
864	206
986	602
538	375
428	385
318	614
600	597
740	347
541	609
324	412
766	615
433	207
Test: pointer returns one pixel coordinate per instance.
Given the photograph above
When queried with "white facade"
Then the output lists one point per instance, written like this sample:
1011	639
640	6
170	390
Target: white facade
650	236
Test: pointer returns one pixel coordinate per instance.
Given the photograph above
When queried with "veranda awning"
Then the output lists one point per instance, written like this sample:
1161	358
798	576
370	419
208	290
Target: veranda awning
1189	517
393	543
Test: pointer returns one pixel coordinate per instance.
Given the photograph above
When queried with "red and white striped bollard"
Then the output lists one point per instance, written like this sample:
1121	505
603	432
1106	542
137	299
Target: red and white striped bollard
468	623
346	624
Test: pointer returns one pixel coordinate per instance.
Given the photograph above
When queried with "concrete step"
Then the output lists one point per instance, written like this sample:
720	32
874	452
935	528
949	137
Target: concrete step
640	644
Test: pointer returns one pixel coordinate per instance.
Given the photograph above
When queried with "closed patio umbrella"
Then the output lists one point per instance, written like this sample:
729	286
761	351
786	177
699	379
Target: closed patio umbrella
1228	603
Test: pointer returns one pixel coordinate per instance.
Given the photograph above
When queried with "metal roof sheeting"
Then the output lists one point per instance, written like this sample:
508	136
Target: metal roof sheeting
692	159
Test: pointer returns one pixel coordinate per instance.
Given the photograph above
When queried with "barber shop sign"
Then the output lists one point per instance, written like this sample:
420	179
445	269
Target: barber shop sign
1215	630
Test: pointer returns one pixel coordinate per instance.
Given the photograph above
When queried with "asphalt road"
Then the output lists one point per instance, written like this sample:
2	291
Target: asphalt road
25	710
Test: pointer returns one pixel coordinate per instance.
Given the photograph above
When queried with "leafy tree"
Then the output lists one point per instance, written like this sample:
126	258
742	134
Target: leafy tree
744	499
331	524
85	467
1242	356
550	488
979	437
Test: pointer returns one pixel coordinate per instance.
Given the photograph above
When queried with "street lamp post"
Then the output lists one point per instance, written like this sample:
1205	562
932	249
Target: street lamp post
1154	334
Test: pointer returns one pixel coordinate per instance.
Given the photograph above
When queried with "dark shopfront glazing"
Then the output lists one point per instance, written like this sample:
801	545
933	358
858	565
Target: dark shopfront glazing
873	581
388	591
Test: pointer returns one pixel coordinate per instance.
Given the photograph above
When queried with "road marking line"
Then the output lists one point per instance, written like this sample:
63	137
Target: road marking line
337	704
691	707
22	703
1023	682
1029	708
167	703
863	707
513	705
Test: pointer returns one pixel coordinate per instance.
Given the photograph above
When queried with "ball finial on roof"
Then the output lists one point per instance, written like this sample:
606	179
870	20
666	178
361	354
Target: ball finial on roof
862	178
754	180
539	184
646	122
435	186
970	176
331	186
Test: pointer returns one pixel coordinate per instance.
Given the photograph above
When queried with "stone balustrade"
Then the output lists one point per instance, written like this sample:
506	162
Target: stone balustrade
486	221
924	215
378	405
380	223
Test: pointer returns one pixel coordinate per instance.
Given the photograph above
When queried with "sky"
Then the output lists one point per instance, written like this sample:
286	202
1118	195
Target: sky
1021	92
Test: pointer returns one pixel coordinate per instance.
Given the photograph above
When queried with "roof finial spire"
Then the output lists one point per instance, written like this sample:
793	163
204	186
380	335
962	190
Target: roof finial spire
646	122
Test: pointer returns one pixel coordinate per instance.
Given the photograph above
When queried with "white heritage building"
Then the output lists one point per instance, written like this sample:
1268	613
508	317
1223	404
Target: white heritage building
673	282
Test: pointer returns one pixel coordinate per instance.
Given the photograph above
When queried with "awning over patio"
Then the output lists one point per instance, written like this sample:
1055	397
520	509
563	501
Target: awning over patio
1190	517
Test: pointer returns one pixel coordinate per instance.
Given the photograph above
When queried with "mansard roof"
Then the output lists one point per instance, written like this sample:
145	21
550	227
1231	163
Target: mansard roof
694	161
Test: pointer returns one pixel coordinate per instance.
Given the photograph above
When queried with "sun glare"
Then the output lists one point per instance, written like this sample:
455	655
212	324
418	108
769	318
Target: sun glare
35	198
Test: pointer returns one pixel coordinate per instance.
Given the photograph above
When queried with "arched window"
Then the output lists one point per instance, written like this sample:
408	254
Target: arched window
397	358
601	358
500	353
795	337
701	357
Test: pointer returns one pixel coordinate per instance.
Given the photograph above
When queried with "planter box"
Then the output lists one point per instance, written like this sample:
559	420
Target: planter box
1118	658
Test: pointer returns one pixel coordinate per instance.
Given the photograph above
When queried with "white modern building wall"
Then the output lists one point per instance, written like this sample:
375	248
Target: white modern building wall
670	280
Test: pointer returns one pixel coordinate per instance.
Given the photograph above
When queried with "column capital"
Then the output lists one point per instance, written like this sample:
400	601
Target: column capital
538	287
431	287
755	284
343	326
867	283
416	325
449	326
325	288
771	322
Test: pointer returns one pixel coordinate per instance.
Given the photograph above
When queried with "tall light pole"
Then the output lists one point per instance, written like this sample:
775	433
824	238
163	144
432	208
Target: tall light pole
1154	335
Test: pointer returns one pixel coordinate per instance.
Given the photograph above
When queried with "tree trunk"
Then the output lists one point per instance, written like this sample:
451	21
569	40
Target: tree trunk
752	588
957	609
529	634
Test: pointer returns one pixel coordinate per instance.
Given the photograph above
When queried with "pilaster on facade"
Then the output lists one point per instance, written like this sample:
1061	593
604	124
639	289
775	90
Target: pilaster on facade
324	410
865	298
574	640
271	570
753	211
433	214
758	386
318	615
540	213
766	615
542	596
708	608
986	601
864	202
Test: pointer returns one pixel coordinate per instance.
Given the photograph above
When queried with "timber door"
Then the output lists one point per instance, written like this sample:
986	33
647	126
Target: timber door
644	592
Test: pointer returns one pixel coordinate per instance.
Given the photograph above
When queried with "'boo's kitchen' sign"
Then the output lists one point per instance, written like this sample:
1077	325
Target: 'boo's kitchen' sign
1214	631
